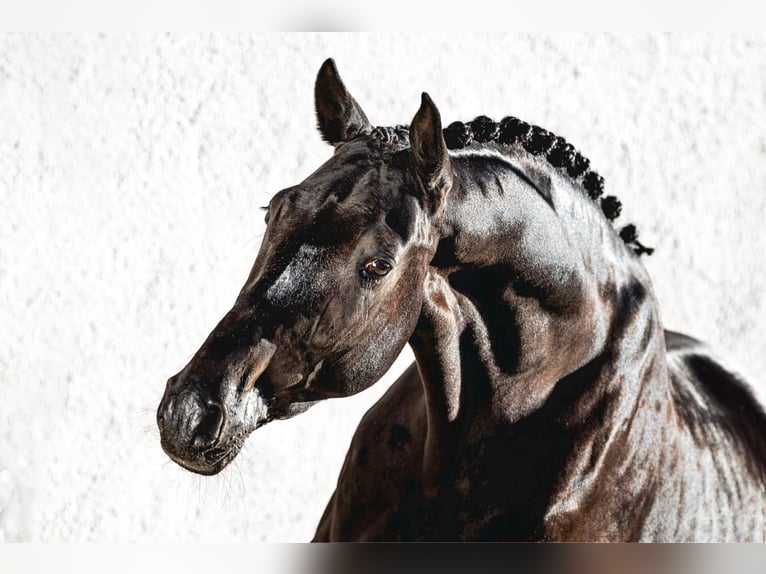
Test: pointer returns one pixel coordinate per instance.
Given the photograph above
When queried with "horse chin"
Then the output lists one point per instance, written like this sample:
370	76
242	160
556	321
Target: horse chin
295	409
210	462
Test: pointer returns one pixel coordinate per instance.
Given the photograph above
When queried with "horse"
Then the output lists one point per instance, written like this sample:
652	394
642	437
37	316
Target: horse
546	402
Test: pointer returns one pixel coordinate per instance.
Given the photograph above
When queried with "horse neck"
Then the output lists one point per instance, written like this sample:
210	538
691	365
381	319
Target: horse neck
528	309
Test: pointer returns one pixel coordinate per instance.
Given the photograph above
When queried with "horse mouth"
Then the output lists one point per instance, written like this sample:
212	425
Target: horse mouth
209	462
205	436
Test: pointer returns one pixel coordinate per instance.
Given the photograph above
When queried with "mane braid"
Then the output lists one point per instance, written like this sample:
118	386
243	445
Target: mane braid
557	151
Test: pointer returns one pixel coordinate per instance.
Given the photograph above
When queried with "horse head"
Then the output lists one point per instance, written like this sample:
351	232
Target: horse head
335	291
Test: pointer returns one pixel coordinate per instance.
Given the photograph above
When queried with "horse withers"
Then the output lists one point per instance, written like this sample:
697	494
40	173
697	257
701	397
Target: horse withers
546	402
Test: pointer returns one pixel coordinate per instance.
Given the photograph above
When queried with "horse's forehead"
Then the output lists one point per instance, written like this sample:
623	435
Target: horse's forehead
343	168
354	184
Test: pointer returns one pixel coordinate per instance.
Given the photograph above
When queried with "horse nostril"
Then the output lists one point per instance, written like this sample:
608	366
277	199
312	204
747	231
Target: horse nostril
209	429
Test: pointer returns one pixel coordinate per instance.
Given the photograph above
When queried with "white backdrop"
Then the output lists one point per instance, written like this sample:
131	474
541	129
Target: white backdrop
131	172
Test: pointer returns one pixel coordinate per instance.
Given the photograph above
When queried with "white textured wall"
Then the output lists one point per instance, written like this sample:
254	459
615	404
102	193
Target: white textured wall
131	170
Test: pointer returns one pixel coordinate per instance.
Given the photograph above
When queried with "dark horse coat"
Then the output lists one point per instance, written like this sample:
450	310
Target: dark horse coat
546	402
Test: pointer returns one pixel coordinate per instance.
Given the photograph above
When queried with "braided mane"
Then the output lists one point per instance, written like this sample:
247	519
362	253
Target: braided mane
537	141
557	151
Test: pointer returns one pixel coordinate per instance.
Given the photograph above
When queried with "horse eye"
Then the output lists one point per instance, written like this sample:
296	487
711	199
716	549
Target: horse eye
378	267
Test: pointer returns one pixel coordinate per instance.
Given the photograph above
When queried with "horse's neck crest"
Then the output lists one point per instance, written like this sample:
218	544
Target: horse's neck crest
557	151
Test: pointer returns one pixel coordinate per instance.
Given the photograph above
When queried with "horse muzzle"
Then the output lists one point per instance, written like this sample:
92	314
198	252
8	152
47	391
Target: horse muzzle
204	434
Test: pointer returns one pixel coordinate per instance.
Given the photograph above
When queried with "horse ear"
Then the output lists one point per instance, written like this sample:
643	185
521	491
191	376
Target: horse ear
339	116
429	153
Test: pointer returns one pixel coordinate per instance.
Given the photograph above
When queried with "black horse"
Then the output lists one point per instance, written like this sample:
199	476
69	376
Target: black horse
546	401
